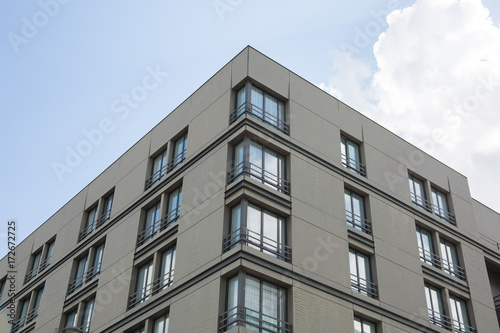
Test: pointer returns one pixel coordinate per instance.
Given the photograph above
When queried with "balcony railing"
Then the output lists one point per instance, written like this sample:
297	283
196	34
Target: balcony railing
158	175
154	287
354	165
41	266
103	218
262	115
249	169
158	226
94	225
454	270
86	277
21	322
257	321
364	287
358	222
429	257
421	202
448	323
496	301
444	215
254	239
44	264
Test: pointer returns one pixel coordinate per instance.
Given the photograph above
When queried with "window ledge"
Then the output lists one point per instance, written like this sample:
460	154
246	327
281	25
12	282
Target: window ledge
442	276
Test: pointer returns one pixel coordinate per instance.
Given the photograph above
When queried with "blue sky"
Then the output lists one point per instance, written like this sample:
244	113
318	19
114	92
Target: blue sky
66	66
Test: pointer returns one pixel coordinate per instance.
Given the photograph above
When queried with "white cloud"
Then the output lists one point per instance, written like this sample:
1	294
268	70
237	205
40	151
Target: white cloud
438	77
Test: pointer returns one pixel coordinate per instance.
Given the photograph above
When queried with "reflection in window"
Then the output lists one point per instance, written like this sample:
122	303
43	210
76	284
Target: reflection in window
351	156
355	211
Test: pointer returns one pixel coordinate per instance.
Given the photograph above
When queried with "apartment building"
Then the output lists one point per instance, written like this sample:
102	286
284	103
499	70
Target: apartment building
262	204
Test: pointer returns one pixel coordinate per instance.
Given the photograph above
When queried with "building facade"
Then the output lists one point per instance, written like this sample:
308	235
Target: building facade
262	204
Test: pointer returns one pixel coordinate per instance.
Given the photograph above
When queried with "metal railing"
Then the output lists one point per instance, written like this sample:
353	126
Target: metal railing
496	301
29	317
429	257
358	222
103	218
454	270
246	168
448	323
41	266
242	316
354	165
421	202
86	277
44	264
160	225
262	115
254	239
149	290
444	215
158	175
363	286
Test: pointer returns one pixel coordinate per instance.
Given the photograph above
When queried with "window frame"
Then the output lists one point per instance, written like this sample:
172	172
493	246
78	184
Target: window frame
364	286
28	308
245	105
362	322
92	265
80	317
244	235
439	200
361	223
418	200
356	165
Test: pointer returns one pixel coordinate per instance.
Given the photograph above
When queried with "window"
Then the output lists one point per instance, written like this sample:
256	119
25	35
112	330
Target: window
40	260
459	315
105	211
417	192
355	212
426	248
155	222
93	220
179	153
3	282
28	309
35	262
260	163
361	278
255	304
161	324
87	268
435	306
139	330
151	224
450	259
145	286
363	326
268	109
440	204
159	169
258	228
351	156
81	316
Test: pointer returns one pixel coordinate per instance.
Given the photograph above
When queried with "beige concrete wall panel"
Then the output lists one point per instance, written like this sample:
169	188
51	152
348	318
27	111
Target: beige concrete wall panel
212	90
485	318
350	121
170	126
129	188
239	67
313	133
464	213
268	73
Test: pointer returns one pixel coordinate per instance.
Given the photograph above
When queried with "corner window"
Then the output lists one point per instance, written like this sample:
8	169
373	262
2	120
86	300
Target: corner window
361	277
256	304
355	211
364	326
260	163
440	205
257	228
28	309
260	105
351	156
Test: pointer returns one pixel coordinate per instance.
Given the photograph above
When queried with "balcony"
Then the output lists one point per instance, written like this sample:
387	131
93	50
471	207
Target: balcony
358	222
496	301
249	169
444	215
421	202
85	278
155	287
258	241
158	175
260	114
257	321
447	266
354	165
363	287
454	270
160	225
429	257
448	323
